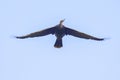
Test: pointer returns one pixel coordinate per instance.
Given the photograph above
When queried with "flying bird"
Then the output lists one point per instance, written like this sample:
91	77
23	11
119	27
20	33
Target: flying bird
59	31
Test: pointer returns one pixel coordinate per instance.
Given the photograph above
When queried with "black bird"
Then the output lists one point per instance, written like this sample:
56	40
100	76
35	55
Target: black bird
60	31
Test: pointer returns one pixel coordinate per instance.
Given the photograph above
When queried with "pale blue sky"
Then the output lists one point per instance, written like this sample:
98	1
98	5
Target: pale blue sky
78	59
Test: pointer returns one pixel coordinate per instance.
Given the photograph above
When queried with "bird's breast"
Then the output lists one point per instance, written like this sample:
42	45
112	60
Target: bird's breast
60	32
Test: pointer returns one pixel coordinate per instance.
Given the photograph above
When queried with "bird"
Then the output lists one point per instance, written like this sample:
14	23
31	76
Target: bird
59	31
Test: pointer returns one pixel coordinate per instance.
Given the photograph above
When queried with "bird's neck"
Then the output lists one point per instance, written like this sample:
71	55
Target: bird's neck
61	25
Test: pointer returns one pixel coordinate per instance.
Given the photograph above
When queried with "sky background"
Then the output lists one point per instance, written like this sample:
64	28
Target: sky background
78	59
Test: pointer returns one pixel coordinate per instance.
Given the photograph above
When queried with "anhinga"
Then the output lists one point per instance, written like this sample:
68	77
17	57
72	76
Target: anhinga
60	31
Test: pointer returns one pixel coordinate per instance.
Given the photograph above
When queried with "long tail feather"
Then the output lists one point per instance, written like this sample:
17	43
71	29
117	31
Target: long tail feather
58	43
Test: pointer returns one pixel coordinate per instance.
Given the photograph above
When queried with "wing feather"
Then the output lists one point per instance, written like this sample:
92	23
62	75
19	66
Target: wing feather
39	33
80	34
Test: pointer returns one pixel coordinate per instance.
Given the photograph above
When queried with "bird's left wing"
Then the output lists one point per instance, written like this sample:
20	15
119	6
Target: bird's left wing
39	33
80	34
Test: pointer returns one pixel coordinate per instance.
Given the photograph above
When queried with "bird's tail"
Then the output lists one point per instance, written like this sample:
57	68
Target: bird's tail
58	43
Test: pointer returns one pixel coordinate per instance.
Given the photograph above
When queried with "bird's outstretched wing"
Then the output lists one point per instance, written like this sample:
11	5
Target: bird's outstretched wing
38	33
80	34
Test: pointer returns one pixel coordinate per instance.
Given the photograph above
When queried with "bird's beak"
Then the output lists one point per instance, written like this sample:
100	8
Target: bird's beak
62	21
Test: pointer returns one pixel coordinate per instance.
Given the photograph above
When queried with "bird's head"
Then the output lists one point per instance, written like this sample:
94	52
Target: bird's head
61	21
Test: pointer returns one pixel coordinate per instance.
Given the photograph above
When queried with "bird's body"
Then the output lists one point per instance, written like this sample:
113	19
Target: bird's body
60	31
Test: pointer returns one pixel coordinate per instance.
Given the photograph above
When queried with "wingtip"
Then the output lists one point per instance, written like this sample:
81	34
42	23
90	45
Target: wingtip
103	39
14	37
19	37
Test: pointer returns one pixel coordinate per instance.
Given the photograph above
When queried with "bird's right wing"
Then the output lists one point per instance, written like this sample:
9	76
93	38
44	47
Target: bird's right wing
39	33
80	34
